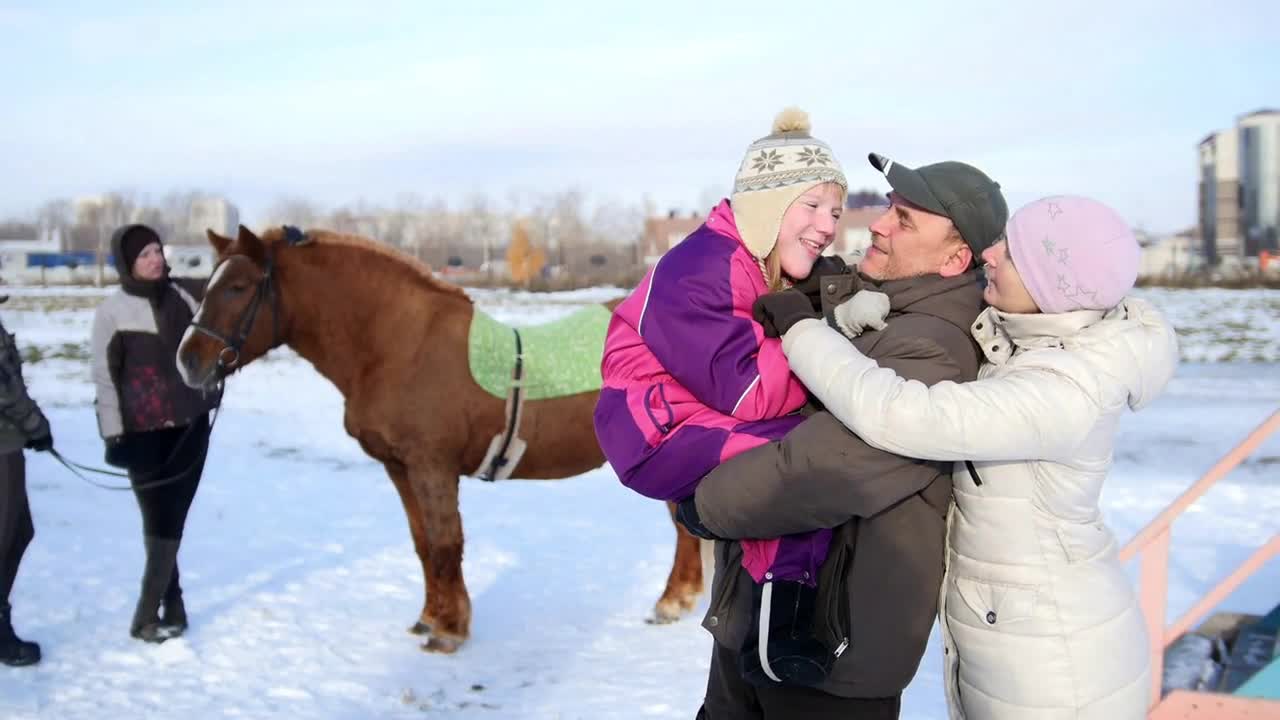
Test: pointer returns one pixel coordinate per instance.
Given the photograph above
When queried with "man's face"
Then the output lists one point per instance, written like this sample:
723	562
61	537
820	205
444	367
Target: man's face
906	241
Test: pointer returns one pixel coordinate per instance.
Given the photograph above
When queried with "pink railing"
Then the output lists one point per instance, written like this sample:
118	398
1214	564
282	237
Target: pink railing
1152	544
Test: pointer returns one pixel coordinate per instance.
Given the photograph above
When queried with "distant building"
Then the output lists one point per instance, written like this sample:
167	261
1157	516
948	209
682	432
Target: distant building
853	233
1260	180
1240	189
40	257
663	233
209	213
42	260
1171	255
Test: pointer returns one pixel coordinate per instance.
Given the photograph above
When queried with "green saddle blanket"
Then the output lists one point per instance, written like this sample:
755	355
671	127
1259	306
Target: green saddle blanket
561	357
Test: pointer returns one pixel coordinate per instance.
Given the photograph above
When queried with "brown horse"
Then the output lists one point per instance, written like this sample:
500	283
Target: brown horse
393	339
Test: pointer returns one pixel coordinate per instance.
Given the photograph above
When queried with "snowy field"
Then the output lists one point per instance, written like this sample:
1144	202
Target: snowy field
301	579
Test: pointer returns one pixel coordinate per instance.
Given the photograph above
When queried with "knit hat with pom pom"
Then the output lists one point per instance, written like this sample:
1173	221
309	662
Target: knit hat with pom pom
777	169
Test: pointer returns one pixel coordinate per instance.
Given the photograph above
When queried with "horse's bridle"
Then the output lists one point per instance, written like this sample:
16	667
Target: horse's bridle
266	291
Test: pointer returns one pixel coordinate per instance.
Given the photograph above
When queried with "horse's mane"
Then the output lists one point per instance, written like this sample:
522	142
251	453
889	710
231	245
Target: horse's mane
398	263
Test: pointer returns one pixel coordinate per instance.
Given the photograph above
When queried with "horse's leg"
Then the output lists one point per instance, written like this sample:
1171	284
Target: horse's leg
448	605
684	584
413	511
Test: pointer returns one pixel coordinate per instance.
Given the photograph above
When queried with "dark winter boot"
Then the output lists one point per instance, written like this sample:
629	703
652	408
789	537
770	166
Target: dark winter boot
13	650
162	556
782	646
174	616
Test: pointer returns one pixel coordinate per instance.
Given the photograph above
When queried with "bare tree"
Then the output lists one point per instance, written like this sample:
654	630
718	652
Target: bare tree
442	234
294	211
616	231
710	196
568	228
14	229
57	216
175	208
407	227
481	228
101	216
583	240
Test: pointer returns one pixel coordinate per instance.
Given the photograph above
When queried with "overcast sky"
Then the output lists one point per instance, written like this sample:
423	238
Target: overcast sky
339	102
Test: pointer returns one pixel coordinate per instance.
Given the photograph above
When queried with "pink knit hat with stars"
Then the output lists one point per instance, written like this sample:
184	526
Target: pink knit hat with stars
1073	253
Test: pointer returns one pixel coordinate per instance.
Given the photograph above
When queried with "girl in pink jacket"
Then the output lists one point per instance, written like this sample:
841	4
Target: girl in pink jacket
689	378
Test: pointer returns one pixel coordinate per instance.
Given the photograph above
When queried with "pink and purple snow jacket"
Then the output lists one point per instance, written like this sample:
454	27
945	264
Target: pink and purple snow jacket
690	380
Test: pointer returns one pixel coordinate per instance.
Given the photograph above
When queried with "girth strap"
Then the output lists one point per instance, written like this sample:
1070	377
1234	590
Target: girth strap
505	449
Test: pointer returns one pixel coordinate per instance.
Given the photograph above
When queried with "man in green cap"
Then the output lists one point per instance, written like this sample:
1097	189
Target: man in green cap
865	621
948	207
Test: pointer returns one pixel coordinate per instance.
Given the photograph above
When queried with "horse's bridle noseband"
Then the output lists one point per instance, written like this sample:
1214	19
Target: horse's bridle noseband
229	355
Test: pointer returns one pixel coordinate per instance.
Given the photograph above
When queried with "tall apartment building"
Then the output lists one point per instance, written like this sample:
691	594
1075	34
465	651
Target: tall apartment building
1240	188
1260	180
209	212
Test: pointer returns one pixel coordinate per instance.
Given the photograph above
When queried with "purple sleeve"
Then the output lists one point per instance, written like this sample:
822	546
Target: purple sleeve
699	326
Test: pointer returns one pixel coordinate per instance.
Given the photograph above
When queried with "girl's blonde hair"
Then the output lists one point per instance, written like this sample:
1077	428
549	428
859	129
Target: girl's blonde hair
771	268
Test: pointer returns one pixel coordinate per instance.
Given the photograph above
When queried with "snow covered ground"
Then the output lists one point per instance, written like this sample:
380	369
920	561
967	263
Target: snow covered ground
301	579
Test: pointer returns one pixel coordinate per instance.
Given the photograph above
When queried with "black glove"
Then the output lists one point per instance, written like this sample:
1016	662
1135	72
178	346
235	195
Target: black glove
42	443
826	266
778	311
36	427
119	452
687	515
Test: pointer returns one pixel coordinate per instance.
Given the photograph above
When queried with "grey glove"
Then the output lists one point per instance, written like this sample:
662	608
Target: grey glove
866	309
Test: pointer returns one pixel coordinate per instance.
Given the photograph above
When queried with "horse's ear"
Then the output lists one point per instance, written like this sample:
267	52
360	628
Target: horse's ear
246	237
219	243
250	245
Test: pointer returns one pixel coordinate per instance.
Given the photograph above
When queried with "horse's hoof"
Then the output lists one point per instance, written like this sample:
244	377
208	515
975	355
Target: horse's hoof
670	610
420	628
444	645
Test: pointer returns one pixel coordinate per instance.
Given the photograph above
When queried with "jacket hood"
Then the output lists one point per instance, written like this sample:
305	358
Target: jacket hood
131	285
1133	343
1141	347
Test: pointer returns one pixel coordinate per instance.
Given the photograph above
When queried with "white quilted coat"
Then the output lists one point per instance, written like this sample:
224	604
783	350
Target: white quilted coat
1039	619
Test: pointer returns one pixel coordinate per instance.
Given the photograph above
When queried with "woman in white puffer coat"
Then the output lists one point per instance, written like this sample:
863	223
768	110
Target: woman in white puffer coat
1039	619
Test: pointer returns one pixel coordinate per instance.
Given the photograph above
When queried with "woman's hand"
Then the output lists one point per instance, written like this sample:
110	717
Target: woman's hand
866	309
41	443
119	452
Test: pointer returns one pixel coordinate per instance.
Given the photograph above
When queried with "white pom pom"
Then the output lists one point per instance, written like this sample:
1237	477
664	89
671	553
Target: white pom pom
791	120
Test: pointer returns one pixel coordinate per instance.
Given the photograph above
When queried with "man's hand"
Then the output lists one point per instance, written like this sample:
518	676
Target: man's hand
778	311
866	309
687	515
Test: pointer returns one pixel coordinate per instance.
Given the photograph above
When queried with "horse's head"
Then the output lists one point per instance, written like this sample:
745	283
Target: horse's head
239	318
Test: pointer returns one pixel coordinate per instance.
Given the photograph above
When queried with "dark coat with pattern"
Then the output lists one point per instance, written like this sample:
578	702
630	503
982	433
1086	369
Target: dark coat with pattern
136	333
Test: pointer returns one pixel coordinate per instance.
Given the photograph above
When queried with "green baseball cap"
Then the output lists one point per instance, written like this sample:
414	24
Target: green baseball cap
954	190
